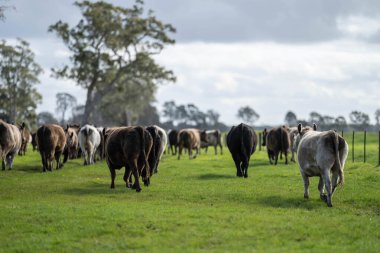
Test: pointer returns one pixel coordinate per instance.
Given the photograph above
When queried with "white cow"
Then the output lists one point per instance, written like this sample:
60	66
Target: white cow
89	140
212	138
321	154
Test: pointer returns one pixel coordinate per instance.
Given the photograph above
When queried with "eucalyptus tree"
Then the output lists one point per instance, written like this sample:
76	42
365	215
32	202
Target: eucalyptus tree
18	75
111	44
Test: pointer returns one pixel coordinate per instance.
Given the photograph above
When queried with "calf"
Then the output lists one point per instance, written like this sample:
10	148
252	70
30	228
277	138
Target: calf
173	141
277	141
128	147
51	142
321	154
242	142
213	138
10	143
89	141
189	138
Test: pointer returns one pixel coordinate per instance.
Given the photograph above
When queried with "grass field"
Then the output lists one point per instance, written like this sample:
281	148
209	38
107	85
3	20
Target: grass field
191	206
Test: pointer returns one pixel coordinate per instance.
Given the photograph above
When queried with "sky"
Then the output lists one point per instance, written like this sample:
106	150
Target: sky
273	55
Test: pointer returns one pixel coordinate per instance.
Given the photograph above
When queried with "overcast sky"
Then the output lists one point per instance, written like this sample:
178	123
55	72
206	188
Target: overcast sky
273	55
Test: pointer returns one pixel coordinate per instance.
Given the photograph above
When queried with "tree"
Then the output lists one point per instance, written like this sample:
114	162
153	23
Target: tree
3	8
149	116
169	111
377	116
64	102
18	75
111	44
328	120
291	118
316	118
212	117
341	121
247	114
46	118
359	118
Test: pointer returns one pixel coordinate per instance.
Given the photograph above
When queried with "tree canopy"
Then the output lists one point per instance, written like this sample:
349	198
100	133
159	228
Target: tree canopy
112	51
18	75
247	114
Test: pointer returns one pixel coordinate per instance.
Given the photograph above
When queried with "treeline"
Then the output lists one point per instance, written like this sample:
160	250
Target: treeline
358	121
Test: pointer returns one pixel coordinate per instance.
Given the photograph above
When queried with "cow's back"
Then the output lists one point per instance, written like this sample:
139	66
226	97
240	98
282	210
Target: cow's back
242	140
122	144
51	138
10	138
190	137
278	139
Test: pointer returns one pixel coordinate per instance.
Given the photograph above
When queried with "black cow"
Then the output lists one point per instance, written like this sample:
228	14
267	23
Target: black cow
242	142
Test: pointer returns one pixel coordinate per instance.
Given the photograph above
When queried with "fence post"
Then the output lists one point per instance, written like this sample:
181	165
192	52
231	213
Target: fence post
353	146
342	134
259	141
379	149
365	140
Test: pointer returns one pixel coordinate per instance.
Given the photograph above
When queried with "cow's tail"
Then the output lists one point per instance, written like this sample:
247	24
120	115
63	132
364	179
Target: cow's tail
243	149
141	132
337	159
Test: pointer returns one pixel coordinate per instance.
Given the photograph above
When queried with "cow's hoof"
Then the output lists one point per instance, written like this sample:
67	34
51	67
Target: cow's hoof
324	197
138	190
306	196
329	205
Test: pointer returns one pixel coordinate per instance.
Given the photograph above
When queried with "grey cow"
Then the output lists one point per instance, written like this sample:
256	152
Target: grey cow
321	154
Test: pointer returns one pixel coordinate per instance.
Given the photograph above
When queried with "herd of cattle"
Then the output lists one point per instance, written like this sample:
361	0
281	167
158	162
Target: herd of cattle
139	149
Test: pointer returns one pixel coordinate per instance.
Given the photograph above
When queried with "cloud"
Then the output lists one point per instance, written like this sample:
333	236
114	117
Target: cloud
331	78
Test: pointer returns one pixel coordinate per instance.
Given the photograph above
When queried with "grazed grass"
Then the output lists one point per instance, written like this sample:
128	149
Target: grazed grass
191	206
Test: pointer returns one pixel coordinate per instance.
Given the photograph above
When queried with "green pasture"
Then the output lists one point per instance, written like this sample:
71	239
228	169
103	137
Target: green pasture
191	206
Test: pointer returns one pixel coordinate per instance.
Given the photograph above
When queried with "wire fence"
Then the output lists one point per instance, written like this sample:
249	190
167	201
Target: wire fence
363	146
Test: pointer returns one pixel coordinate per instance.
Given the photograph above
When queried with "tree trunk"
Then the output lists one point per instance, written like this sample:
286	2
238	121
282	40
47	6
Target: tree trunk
88	109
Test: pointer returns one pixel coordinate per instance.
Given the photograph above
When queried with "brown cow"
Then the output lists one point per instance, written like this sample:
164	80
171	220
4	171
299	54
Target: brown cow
72	141
51	142
189	138
10	143
25	135
128	147
277	141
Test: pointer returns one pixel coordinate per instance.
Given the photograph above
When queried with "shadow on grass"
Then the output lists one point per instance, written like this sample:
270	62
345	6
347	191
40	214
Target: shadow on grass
286	202
210	176
30	168
97	188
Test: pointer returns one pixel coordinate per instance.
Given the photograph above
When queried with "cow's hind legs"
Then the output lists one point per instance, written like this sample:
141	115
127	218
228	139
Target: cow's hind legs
239	172
306	183
136	184
127	175
113	175
326	180
321	190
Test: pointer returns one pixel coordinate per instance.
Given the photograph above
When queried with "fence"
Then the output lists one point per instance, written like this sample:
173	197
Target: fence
363	146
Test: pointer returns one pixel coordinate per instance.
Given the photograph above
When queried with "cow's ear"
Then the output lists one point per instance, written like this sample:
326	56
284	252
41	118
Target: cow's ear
23	124
314	127
299	127
72	134
67	126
